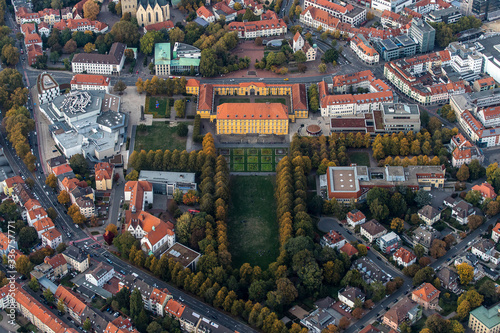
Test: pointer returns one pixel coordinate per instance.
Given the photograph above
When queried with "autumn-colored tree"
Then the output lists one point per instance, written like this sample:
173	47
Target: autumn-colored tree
63	197
78	218
362	250
463	173
70	46
112	228
108	237
91	10
139	85
89	47
344	323
466	273
397	225
51	180
474	222
23	265
463	310
357	313
438	248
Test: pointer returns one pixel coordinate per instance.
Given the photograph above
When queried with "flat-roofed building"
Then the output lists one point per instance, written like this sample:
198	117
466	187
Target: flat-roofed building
401	117
483	320
184	255
167	182
47	88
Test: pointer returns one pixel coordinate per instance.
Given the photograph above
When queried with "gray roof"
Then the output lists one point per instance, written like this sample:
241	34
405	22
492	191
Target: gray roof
112	58
352	293
74	253
447	276
400	108
429	212
166	177
373	227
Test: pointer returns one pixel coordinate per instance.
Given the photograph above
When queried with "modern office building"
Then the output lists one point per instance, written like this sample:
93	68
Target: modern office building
422	33
396	47
167	182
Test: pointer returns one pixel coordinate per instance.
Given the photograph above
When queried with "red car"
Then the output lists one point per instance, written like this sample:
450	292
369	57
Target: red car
193	211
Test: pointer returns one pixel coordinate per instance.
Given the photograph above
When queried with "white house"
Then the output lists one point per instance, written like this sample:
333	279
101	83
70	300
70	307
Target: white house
51	238
333	239
429	214
101	274
90	82
349	295
372	230
461	211
106	64
404	258
355	217
495	233
484	249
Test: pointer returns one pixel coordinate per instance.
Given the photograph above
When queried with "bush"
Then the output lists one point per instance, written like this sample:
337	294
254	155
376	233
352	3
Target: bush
182	129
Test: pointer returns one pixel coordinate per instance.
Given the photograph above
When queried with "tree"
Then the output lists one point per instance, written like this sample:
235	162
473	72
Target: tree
10	55
63	197
357	313
79	164
176	35
119	86
86	324
463	173
23	265
149	40
423	198
56	4
208	66
474	222
466	273
473	197
33	284
322	68
108	237
180	108
49	296
397	225
89	47
473	297
133	175
52	213
27	237
300	56
70	46
61	247
419	250
154	327
91	10
125	32
362	250
344	323
78	218
112	228
438	248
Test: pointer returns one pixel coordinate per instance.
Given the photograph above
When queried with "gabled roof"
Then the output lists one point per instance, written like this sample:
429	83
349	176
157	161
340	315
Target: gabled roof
43	224
10	182
373	227
333	237
429	212
32	204
348	249
51	234
487	191
356	215
405	255
175	308
72	301
61	169
56	260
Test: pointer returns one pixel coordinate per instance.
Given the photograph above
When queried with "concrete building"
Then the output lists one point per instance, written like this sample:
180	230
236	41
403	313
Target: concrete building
100	275
401	117
465	59
105	64
395	47
423	34
47	88
162	59
370	271
88	123
167	182
389	242
447	15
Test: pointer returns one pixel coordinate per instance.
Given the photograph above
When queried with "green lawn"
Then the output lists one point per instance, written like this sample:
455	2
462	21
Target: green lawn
233	100
360	158
163	110
159	136
270	100
252	225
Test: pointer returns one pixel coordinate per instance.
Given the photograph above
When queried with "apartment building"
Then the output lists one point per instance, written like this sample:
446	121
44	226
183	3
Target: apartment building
104	173
100	275
106	64
333	239
73	305
154	234
389	242
348	13
404	257
51	238
47	88
429	214
372	230
265	28
318	18
423	33
364	50
401	46
76	258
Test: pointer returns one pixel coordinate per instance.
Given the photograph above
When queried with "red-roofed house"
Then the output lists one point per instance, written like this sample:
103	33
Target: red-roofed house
167	25
36	215
51	238
6	243
363	49
28	28
355	217
155	235
486	83
427	296
9	183
174	308
32	39
103	176
44	29
43	225
404	258
158	300
348	249
495	233
343	13
34	51
273	27
333	239
73	305
487	191
138	194
58	263
315	17
205	14
90	82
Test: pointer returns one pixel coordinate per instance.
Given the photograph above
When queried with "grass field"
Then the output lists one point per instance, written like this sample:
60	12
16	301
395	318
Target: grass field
270	100
253	159
360	158
163	110
234	100
159	136
252	223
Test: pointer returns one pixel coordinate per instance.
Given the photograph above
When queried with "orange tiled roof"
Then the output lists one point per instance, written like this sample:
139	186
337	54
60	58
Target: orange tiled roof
348	249
426	292
405	255
160	25
299	96
10	182
175	308
56	260
37	212
61	169
459	154
322	16
296	37
158	296
137	189
70	300
43	224
497	228
4	242
103	170
51	234
487	81
193	83
97	80
28	28
356	216
270	111
487	191
32	204
204	12
333	237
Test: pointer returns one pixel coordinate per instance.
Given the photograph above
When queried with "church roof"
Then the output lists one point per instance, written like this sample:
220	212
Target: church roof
144	3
